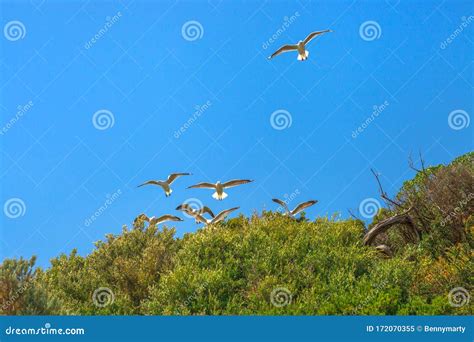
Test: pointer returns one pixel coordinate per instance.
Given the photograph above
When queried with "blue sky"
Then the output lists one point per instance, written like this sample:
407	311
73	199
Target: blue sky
58	169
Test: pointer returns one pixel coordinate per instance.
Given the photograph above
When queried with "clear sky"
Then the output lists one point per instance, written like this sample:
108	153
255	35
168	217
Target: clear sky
147	67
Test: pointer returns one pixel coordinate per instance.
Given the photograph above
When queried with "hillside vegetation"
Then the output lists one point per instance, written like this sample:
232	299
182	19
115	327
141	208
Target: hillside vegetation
270	264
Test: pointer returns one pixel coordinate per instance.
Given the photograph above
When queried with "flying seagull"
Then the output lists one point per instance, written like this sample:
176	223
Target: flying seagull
219	217
157	220
219	187
300	46
188	209
165	184
298	208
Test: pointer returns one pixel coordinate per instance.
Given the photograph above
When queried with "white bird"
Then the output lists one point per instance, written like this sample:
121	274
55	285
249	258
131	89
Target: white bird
157	220
300	46
219	187
219	217
298	208
188	209
165	184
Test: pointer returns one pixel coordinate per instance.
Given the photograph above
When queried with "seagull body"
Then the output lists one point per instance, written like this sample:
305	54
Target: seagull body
297	209
300	47
194	212
157	220
219	194
165	184
219	217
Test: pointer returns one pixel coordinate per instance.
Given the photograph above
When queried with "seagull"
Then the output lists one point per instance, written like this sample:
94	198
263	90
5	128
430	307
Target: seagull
165	184
188	209
219	187
219	217
157	220
300	46
298	208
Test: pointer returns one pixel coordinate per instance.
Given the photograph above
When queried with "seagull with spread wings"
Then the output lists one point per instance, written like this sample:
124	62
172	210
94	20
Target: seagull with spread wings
219	217
300	47
157	220
298	208
188	209
165	184
219	187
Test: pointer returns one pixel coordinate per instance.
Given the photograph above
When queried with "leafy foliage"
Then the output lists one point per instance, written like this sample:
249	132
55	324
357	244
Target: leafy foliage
236	267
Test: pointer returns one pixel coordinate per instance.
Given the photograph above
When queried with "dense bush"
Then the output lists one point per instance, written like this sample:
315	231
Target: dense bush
270	264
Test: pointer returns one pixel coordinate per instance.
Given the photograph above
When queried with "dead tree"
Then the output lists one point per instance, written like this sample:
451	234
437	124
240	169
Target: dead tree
382	226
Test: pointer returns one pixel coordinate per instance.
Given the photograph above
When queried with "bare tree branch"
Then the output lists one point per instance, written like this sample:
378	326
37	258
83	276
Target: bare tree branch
384	225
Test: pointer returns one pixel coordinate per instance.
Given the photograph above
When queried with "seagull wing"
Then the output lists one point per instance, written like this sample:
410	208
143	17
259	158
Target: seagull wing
202	186
282	204
165	218
202	219
314	34
207	210
284	48
236	182
173	176
183	207
142	217
223	214
302	206
150	182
